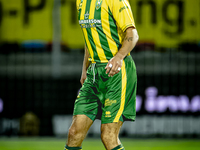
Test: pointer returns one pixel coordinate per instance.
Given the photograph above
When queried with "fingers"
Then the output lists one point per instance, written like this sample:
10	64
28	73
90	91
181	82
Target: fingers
112	69
82	80
118	69
108	68
83	77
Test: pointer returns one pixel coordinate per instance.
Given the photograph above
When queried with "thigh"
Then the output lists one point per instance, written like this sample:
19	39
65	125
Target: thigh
81	123
114	101
87	101
120	97
113	128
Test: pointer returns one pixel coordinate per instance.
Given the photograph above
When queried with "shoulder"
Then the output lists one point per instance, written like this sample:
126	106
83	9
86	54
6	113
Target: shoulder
78	3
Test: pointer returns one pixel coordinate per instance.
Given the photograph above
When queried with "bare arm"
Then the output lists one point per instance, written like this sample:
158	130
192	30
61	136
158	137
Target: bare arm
129	43
85	66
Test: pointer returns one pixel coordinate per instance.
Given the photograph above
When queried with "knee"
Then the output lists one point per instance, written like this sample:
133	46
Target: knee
108	136
104	137
72	132
75	132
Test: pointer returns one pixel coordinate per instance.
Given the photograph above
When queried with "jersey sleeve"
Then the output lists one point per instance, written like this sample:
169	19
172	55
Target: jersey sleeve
122	13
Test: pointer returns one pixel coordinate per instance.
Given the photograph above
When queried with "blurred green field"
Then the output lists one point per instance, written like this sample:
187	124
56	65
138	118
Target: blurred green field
95	144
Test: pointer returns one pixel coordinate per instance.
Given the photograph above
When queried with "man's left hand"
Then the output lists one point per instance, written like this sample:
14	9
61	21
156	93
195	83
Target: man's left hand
114	66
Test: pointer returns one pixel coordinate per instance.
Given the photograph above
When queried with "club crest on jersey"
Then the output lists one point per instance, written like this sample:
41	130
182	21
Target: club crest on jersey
86	15
98	4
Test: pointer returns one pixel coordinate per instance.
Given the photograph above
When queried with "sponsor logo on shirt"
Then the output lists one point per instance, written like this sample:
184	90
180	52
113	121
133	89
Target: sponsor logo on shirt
90	23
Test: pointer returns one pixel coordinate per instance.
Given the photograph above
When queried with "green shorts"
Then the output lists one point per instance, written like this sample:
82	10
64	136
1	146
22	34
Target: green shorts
108	98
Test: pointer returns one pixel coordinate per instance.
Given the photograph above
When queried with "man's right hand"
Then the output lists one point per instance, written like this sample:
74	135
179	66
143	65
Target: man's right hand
83	77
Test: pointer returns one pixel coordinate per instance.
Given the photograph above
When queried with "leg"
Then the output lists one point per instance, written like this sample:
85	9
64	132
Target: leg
110	134
78	130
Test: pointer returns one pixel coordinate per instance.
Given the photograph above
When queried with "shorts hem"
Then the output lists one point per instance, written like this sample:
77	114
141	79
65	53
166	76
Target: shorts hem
123	120
91	116
105	122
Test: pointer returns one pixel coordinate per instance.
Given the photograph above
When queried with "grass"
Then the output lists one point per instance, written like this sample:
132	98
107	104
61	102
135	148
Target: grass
95	144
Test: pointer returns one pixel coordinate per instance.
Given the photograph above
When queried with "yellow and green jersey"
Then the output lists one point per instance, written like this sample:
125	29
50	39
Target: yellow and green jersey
103	23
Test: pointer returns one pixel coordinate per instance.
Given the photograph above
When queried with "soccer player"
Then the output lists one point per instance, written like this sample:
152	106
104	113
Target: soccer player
108	77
